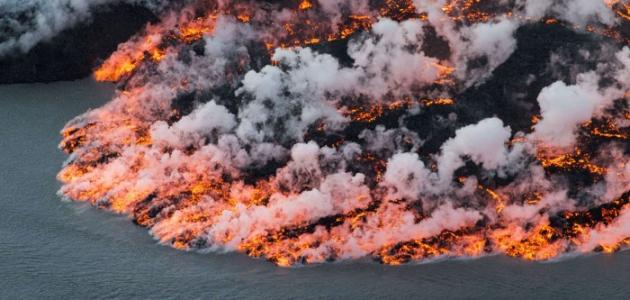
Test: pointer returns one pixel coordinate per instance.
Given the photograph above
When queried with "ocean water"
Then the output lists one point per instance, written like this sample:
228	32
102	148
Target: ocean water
61	250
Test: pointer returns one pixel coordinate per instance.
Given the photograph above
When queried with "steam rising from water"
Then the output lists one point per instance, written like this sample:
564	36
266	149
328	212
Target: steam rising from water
233	132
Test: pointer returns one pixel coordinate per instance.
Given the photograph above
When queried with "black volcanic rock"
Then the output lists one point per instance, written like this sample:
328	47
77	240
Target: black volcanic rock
75	52
511	92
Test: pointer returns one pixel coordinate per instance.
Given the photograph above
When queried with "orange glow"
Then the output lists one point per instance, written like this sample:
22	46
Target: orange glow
244	18
305	4
551	21
371	113
197	28
129	57
576	160
621	9
498	200
606	129
438	102
538	245
121	69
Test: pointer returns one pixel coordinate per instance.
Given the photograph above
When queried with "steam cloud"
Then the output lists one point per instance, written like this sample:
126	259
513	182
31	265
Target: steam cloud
25	23
230	132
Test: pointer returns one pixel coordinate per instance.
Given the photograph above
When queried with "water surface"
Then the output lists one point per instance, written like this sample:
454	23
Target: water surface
54	249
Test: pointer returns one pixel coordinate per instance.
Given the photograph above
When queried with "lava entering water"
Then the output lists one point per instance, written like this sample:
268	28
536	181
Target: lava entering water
310	131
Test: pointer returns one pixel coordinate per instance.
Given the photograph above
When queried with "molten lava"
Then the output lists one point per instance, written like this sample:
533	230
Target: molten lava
242	126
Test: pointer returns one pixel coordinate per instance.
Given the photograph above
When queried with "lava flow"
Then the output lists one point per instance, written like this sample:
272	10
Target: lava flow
321	130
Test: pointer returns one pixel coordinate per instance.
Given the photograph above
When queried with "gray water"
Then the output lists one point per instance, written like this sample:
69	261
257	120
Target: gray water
54	249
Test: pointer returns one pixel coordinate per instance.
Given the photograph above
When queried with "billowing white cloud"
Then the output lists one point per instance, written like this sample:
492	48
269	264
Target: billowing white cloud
484	142
563	107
